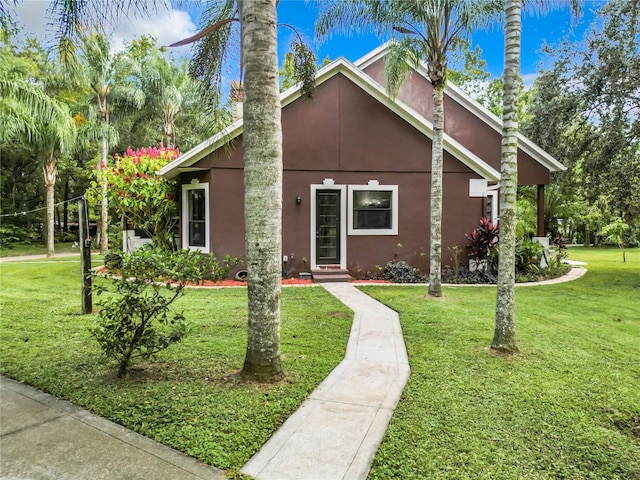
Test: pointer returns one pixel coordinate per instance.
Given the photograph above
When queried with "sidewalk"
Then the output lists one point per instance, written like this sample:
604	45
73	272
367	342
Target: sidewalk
42	437
337	430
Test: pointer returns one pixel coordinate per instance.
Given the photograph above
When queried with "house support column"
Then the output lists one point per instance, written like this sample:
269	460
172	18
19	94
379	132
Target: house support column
540	229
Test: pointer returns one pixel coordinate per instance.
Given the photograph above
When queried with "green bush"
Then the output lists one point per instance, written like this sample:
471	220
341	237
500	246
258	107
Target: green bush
14	235
528	255
402	272
138	321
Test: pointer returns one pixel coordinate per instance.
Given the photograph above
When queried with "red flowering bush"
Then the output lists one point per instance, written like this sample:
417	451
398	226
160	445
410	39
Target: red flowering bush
137	193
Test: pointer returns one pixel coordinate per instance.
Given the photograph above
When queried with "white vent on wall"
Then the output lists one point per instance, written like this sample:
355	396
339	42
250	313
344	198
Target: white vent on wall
478	187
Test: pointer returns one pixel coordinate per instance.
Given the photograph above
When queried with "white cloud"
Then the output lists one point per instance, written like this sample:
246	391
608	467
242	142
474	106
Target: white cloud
167	26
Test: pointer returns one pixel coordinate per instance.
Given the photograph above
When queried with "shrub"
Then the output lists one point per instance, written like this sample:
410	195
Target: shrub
13	235
483	245
138	321
528	254
402	272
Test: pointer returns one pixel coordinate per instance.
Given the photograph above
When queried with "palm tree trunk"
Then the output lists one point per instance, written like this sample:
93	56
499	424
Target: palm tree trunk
50	172
435	253
504	338
262	144
104	210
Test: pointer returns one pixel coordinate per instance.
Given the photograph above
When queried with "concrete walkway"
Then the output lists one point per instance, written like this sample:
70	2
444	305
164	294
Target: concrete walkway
336	432
42	437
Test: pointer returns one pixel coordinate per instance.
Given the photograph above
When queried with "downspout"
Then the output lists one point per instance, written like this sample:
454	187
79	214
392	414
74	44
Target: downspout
540	229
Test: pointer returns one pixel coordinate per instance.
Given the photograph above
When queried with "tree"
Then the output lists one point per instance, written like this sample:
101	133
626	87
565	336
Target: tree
504	338
99	71
262	144
424	31
594	129
29	111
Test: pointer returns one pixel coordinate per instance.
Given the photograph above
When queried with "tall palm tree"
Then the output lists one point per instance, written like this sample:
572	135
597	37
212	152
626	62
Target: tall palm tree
504	337
262	144
164	84
27	111
427	31
99	72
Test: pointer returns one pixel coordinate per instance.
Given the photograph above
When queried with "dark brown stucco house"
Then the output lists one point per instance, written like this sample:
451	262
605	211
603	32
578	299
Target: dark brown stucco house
356	178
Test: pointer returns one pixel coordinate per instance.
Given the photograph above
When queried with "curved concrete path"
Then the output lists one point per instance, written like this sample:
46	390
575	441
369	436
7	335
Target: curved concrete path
336	431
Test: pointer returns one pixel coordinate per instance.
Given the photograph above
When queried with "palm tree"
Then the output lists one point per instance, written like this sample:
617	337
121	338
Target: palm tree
164	84
428	30
99	72
27	111
262	144
504	337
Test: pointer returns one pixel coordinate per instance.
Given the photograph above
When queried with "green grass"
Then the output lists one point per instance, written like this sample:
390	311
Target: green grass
568	406
190	398
38	248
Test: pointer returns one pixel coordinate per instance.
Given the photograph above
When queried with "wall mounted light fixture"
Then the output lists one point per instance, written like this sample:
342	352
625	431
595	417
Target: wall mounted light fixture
298	199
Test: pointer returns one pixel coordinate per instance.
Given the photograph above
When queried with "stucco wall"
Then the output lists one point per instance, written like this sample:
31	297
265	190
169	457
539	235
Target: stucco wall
346	135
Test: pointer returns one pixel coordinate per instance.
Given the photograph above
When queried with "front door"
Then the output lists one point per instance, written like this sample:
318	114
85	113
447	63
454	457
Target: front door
328	227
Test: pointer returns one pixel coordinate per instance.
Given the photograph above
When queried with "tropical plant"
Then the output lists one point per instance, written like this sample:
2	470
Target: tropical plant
527	254
504	337
98	73
482	245
424	31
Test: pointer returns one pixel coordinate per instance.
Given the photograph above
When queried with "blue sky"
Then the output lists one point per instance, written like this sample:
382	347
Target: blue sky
176	24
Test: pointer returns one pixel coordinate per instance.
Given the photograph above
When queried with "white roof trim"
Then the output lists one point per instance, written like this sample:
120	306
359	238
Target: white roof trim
340	65
484	114
186	160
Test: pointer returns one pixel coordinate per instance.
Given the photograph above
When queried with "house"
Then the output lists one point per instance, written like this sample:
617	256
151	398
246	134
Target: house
356	180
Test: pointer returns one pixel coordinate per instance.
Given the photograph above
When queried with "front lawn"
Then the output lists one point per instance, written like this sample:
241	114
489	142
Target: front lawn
190	399
566	407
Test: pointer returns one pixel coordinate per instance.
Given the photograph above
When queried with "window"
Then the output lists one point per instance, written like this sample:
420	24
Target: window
195	216
373	209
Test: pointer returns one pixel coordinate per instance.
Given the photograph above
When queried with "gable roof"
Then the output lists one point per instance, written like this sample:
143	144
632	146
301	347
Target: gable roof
487	116
186	162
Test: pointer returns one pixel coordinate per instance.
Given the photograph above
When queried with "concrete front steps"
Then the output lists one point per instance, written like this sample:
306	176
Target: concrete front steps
330	274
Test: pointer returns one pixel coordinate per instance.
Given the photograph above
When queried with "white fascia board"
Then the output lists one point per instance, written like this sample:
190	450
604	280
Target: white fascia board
373	56
186	160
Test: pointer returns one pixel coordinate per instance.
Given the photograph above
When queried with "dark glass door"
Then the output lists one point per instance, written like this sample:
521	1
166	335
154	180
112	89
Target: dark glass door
327	227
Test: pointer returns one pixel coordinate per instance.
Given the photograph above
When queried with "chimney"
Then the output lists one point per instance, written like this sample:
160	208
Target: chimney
237	98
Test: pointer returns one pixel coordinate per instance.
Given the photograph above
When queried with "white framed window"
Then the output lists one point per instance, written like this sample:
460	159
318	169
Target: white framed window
373	209
195	216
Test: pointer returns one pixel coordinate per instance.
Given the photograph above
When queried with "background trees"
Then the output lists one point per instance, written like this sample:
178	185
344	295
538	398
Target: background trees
585	111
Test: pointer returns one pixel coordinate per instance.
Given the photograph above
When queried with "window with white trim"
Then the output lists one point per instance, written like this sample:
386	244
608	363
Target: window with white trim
195	216
373	209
